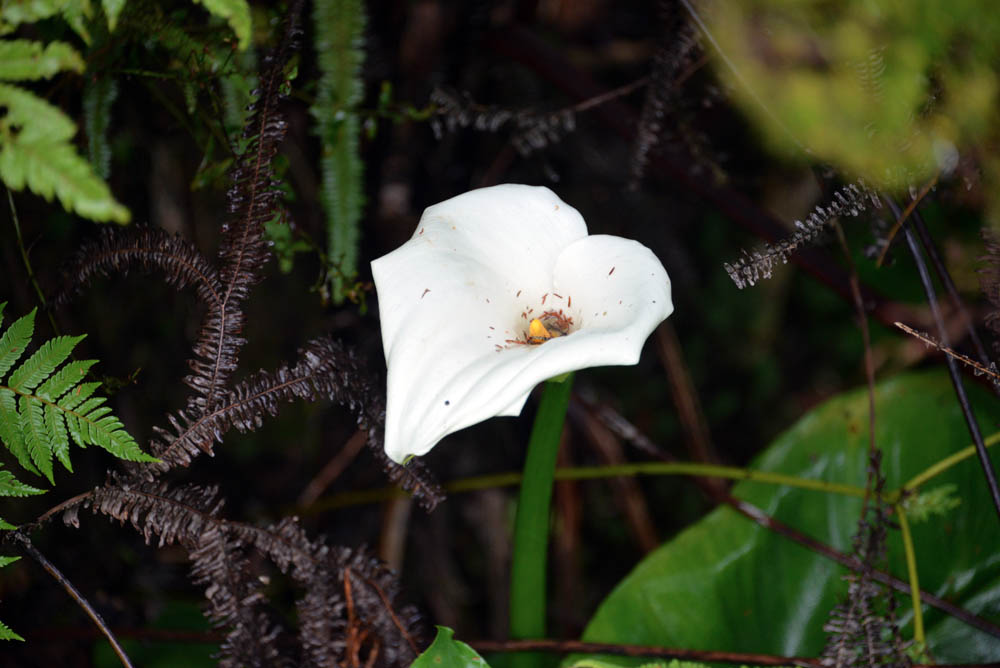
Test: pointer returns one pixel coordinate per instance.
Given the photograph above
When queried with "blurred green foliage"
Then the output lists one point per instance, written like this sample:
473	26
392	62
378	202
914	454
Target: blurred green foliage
887	90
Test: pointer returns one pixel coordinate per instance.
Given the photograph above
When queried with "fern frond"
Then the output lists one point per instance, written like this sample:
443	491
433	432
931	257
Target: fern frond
146	249
35	152
340	27
98	96
12	14
112	9
11	486
36	424
234	12
851	200
22	59
253	200
677	50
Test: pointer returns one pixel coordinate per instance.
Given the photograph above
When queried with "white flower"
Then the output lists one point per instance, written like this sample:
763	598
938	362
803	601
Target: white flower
498	290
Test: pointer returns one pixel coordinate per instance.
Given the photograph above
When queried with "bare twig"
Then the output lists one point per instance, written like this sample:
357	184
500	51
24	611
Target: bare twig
333	469
956	378
901	218
50	568
980	369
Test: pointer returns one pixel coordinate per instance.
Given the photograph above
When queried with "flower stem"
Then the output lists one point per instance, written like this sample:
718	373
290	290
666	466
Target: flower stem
531	526
911	571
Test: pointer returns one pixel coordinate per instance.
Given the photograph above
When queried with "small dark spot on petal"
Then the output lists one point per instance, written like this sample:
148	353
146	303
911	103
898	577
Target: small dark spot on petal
426	290
447	403
612	271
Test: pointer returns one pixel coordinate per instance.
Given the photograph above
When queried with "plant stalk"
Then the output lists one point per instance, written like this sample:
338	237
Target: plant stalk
531	526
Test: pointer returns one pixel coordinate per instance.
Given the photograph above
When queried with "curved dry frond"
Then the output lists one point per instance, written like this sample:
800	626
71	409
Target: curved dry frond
147	249
676	53
253	200
851	200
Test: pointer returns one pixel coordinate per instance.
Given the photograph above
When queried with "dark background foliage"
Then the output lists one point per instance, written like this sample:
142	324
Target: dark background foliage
691	190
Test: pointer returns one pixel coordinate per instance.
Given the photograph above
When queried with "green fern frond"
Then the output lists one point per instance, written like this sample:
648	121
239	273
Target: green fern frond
35	151
98	96
5	631
340	27
22	59
12	14
36	425
112	9
236	13
11	486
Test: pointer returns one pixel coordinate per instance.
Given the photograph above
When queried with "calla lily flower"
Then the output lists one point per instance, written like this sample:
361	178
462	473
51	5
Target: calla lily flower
498	290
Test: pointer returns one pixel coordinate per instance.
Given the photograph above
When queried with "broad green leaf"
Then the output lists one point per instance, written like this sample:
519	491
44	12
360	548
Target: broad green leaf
112	9
11	486
68	376
727	584
6	561
14	341
6	526
445	652
42	363
236	13
673	663
22	59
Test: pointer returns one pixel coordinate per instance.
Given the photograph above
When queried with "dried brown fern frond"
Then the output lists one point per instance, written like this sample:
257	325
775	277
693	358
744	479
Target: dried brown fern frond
850	200
863	630
529	130
145	249
676	53
346	603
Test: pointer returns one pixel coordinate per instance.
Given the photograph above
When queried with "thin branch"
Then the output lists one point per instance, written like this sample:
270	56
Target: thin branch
942	271
704	656
901	218
27	261
956	378
28	547
964	359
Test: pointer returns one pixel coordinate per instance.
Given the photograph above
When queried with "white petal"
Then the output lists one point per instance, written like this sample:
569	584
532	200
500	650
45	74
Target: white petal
460	289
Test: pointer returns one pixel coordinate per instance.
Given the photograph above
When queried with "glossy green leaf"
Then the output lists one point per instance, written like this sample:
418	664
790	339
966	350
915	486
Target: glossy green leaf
446	652
727	584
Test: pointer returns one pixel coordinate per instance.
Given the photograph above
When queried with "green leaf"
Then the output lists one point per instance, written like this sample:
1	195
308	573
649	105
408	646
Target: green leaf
36	440
42	363
11	486
10	429
236	13
35	152
78	395
15	341
6	526
98	96
6	561
22	59
7	634
727	584
109	433
446	652
56	429
340	27
112	8
64	379
937	501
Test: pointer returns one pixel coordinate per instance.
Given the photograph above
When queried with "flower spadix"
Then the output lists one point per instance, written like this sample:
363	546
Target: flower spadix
498	290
